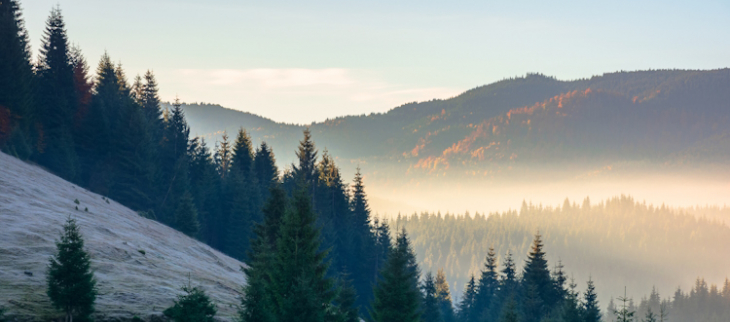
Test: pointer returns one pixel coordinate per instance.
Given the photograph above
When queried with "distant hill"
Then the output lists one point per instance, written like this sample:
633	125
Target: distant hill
140	264
664	116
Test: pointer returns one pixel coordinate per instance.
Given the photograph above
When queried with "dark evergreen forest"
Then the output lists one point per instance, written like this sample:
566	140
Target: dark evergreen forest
313	250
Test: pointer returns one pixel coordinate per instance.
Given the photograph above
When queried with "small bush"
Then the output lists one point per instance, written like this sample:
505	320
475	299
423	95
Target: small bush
76	201
141	251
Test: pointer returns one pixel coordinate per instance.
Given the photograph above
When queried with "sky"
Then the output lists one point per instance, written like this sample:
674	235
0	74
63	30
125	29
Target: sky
300	62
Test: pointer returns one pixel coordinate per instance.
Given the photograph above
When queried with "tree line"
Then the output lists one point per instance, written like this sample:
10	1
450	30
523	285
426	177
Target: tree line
113	138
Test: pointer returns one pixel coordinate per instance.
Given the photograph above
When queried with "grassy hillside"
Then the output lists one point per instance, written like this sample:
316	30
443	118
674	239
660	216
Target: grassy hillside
140	264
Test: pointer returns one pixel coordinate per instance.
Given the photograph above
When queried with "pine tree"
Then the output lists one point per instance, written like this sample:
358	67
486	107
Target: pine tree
186	216
443	294
57	95
71	283
302	290
591	308
466	306
397	298
17	106
193	306
431	310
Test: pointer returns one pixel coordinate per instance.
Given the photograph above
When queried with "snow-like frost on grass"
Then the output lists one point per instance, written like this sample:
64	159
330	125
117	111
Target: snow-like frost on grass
33	207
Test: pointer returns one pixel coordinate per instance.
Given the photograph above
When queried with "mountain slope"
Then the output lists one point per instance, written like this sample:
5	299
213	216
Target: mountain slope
643	115
140	264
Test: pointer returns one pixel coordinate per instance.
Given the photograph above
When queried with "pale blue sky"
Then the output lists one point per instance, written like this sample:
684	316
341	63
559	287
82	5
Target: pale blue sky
302	62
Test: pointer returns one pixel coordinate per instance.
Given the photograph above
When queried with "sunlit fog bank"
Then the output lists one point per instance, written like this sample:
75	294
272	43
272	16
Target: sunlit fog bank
454	196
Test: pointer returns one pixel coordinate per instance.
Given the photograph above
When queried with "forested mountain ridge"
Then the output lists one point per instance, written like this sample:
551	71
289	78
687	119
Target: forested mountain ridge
618	242
655	116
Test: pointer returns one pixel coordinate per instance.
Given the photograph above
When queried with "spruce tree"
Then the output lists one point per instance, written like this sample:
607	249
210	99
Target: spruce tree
17	105
397	298
383	245
487	286
186	216
650	316
443	294
150	102
257	303
431	310
265	168
510	312
242	194
192	306
346	301
591	308
205	188
302	290
174	163
306	170
57	100
537	283
625	313
71	283
571	309
466	306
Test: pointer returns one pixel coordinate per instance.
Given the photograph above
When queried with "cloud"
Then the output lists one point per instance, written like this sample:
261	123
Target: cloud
296	95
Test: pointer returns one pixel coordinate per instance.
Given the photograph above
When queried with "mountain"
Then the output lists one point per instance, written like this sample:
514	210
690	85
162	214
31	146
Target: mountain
139	263
655	116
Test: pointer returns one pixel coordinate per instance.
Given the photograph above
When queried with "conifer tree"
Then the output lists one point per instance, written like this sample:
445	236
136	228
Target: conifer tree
192	306
650	317
186	216
383	246
205	189
591	308
17	106
431	310
71	283
364	240
571	309
346	301
83	86
57	99
397	298
257	303
466	306
443	294
625	313
174	180
537	283
150	101
487	286
510	312
243	197
306	170
265	168
302	290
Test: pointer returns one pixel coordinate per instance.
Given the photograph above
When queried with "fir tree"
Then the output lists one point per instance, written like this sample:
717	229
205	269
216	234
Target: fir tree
174	180
431	310
397	298
257	303
466	307
150	102
487	286
57	95
186	216
205	188
625	314
346	301
71	283
650	317
510	313
443	294
302	290
265	168
192	306
306	170
538	285
17	106
383	246
571	309
591	308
